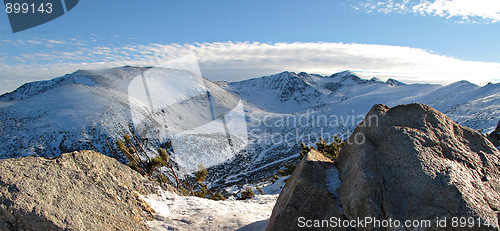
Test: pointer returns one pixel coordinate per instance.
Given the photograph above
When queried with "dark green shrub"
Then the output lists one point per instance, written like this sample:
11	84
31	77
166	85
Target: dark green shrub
259	189
329	150
274	178
304	151
201	174
130	145
289	167
162	178
150	166
202	192
217	197
246	194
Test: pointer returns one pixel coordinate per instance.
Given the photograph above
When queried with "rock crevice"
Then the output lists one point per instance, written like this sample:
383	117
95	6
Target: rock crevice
306	196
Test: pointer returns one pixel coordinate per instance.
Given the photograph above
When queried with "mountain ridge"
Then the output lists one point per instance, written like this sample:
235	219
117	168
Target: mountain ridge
79	110
85	77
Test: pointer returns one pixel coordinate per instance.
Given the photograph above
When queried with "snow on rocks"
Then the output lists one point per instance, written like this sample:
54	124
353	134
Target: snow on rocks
275	188
333	180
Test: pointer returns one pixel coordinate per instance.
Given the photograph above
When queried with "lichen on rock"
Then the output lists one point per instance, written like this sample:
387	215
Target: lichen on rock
82	190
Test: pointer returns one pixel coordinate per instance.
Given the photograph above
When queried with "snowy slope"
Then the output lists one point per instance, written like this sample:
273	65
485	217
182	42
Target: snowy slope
324	106
244	131
76	111
174	212
83	109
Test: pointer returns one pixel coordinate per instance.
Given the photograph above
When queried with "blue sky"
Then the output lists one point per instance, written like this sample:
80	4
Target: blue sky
437	41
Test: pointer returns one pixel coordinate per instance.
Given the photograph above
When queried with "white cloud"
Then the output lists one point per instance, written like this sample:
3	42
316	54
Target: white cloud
473	11
55	42
34	42
237	61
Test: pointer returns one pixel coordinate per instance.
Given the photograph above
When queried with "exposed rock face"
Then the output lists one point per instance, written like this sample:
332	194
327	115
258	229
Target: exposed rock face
417	164
305	195
77	191
494	136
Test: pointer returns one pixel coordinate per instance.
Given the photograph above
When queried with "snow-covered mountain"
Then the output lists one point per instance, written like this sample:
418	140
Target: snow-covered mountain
89	109
76	111
345	93
288	108
244	131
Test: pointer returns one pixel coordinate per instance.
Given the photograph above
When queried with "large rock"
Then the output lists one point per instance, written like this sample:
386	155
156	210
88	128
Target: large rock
494	136
415	163
305	196
76	191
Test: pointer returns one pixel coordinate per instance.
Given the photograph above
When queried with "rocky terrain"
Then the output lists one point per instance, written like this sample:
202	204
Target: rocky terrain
76	191
299	197
408	163
494	136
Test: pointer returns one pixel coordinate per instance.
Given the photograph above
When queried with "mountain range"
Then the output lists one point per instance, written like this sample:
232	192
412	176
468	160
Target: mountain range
242	131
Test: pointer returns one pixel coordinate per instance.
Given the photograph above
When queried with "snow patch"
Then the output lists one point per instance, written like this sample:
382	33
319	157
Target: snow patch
7	104
333	181
276	187
174	212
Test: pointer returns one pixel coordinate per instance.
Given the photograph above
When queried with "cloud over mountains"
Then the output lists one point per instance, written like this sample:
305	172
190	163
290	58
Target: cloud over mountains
233	61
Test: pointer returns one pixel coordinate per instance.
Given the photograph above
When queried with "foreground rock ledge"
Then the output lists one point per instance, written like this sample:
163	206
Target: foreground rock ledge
305	195
76	191
417	164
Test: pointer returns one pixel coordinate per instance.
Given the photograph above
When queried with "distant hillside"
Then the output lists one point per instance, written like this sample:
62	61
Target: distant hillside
244	131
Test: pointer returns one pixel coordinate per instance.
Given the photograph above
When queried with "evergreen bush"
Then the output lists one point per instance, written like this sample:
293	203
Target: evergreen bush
246	194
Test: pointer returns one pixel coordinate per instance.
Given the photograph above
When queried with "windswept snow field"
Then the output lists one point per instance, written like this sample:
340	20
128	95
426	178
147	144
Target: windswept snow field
174	212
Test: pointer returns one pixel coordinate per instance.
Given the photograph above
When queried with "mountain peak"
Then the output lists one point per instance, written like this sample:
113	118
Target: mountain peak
117	78
347	76
394	83
286	73
464	82
346	73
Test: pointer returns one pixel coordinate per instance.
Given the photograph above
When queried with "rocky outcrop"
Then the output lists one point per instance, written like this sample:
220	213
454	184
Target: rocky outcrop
305	195
77	191
494	136
414	163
